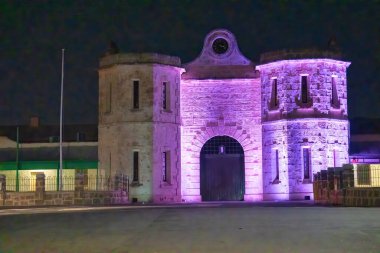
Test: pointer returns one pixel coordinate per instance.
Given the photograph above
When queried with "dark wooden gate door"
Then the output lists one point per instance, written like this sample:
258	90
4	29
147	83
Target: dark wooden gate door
222	170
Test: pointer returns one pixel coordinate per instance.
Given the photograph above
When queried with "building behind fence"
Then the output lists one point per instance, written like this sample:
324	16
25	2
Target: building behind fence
80	189
350	185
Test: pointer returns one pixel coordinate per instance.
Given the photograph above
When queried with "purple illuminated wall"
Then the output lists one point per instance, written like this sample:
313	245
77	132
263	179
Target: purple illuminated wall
220	107
220	95
318	125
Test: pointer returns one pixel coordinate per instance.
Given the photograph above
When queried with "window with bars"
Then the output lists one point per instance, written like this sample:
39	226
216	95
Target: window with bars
335	158
363	174
166	166
306	163
165	96
136	94
275	166
230	146
135	166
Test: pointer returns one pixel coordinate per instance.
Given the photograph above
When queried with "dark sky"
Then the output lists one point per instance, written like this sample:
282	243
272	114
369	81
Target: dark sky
32	34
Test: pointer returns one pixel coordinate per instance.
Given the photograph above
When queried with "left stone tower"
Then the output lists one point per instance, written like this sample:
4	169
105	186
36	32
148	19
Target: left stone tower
139	123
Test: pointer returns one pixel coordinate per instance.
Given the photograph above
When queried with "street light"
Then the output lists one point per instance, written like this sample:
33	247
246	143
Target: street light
60	124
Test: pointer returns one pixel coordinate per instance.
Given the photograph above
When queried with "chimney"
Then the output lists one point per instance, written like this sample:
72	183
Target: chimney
34	121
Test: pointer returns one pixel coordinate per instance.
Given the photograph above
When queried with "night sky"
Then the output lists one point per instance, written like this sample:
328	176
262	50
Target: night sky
32	34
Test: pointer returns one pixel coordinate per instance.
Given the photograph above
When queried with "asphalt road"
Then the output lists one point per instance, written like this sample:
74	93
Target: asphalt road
196	228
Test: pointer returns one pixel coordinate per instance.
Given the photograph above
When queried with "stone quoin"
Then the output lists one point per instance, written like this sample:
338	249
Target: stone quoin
222	126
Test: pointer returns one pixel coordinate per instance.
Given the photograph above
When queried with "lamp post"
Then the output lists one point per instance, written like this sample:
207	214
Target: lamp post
17	158
60	124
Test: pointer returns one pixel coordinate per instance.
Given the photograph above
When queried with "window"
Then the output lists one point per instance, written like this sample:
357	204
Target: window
306	163
165	96
335	157
274	90
136	87
304	89
166	166
135	166
108	98
334	93
363	174
275	165
273	104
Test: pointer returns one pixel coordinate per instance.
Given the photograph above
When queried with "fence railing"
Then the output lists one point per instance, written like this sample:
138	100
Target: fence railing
69	183
350	176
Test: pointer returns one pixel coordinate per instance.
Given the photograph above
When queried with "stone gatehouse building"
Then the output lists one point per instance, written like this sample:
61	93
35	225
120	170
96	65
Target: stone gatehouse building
222	127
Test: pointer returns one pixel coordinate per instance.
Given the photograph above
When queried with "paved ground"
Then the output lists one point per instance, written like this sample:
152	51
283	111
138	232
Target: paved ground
269	227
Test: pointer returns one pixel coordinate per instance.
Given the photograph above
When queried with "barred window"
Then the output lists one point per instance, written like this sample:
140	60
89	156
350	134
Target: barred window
230	146
165	96
364	174
306	163
336	158
136	94
135	166
166	166
275	165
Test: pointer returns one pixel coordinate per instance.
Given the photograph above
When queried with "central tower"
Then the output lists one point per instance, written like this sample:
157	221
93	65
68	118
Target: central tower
220	100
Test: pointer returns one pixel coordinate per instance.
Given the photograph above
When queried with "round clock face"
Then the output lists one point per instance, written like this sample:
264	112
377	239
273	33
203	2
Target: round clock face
220	46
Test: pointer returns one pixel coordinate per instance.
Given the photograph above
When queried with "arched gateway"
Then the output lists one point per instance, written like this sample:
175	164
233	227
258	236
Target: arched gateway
222	170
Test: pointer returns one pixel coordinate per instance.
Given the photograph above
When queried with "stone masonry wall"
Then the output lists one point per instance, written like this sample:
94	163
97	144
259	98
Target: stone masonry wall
220	107
122	129
319	73
166	134
291	126
40	197
322	136
149	130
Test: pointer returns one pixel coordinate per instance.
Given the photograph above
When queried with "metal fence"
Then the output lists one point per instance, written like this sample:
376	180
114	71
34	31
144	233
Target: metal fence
69	183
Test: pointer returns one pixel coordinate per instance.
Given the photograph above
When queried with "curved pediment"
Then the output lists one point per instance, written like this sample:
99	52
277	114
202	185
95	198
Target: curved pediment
220	58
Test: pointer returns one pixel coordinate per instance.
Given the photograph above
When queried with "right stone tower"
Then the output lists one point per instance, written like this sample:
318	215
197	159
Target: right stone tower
304	119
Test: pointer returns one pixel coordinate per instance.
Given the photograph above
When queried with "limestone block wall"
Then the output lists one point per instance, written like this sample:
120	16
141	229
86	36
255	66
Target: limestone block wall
116	146
124	130
149	129
290	126
116	93
324	137
166	133
215	107
319	72
275	139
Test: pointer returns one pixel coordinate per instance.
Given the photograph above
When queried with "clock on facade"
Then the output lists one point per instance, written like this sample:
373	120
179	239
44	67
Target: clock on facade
220	46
